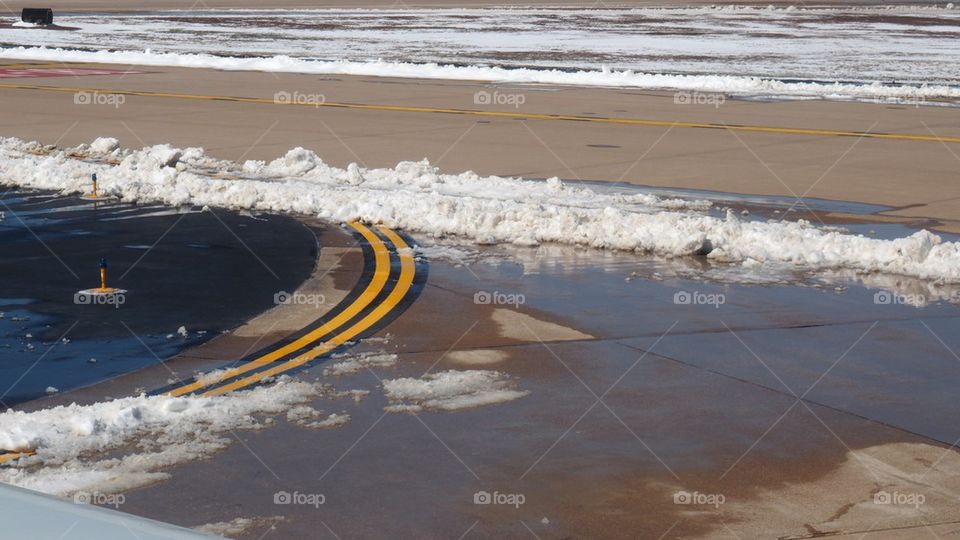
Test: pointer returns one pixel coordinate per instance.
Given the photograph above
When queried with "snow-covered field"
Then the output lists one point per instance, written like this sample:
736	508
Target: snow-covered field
417	197
860	52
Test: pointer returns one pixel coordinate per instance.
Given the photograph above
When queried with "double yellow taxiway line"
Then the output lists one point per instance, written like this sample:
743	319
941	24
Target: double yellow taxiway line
407	270
325	338
331	334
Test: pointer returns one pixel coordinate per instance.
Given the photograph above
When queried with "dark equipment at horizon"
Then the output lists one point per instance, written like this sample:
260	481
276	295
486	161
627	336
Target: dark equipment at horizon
37	16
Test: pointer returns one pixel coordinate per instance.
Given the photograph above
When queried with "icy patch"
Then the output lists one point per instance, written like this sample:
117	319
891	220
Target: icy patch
523	327
306	416
456	255
332	421
477	357
450	391
416	196
897	290
356	395
863	483
302	413
145	434
215	376
238	526
355	364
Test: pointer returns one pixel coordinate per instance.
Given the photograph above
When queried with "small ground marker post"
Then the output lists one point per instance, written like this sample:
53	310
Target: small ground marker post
94	195
102	294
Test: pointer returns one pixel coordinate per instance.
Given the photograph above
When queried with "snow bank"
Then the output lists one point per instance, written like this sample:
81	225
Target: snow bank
726	84
70	441
450	391
415	196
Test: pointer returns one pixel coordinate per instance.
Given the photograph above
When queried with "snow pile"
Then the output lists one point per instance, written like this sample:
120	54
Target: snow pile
450	391
103	145
415	196
727	84
164	431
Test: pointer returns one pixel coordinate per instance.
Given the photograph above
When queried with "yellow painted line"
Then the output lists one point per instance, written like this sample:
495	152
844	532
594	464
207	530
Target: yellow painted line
407	271
376	285
13	456
503	114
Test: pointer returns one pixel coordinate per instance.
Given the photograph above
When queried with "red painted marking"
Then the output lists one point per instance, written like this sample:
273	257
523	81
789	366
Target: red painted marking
22	73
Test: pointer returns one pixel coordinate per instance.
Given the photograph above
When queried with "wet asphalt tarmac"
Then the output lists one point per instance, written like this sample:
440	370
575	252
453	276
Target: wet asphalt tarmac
206	271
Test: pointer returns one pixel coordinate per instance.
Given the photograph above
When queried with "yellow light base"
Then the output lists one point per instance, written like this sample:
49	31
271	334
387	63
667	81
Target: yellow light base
96	198
102	291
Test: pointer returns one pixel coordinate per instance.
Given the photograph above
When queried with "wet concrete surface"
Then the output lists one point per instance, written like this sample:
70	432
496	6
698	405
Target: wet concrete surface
798	399
796	404
205	271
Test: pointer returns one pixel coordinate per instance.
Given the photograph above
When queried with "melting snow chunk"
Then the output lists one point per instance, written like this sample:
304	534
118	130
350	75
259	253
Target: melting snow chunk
450	391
